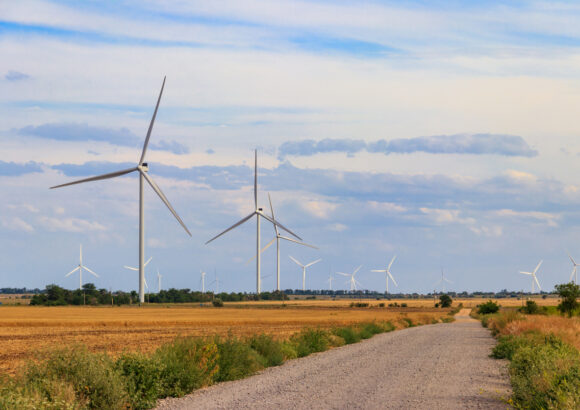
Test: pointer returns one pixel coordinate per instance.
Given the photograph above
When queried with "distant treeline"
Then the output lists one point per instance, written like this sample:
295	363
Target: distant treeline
18	291
54	295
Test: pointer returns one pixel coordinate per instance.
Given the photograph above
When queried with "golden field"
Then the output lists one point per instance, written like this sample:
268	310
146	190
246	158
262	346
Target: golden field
29	330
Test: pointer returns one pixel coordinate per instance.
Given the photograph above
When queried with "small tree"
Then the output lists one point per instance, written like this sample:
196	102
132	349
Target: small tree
488	307
445	301
569	292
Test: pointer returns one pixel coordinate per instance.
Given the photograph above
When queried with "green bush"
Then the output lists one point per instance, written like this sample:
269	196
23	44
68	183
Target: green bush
531	308
348	334
91	376
143	376
488	307
269	349
310	341
188	364
445	301
236	359
217	302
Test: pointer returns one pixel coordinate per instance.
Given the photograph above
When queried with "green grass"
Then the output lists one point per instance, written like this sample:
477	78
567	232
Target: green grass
75	378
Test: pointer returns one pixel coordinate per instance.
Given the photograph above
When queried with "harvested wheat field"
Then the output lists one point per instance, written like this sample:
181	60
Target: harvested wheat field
28	330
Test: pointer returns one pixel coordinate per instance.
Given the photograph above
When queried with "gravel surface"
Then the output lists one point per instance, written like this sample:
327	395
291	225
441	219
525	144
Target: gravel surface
442	366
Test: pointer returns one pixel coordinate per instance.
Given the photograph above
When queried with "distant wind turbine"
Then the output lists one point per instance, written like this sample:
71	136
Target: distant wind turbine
574	274
442	281
142	167
258	212
353	282
137	269
534	277
304	270
217	282
329	280
202	280
158	281
388	274
80	269
277	239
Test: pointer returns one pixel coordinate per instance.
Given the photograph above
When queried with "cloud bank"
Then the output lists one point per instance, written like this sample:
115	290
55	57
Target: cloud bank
475	144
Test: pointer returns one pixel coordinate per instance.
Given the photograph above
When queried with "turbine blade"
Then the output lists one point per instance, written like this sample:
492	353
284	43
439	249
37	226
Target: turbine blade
232	227
538	267
393	279
343	274
256	178
572	259
392	260
312	263
164	199
573	272
131	268
356	270
97	178
151	125
90	271
148	260
379	270
538	283
447	280
273	217
279	224
298	242
72	271
262	250
526	273
295	261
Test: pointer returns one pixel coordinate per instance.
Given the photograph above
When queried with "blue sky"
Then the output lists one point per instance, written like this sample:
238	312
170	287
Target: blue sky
443	132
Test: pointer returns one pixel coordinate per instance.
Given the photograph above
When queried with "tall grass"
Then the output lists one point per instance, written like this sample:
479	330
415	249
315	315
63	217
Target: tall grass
78	379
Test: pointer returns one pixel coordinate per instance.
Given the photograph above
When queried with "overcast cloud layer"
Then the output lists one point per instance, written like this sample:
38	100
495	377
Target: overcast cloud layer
445	133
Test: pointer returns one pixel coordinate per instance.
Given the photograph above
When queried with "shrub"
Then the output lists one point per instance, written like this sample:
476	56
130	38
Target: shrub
348	334
236	359
288	350
217	302
569	292
403	305
188	364
445	301
310	341
531	308
488	307
268	348
91	376
381	304
143	379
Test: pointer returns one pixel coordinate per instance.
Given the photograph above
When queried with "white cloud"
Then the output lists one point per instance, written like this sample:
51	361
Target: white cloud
320	209
70	224
550	219
337	227
16	224
388	207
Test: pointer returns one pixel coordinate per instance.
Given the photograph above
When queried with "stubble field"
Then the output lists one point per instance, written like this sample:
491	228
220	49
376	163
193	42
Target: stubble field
26	331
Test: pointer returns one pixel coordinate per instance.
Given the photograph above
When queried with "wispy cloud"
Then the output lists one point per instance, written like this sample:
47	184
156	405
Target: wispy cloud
13	76
475	144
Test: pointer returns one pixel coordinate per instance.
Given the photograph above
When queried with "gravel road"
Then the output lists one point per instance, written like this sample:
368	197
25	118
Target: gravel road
442	366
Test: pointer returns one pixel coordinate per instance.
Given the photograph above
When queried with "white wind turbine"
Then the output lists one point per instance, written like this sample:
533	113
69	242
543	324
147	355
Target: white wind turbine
387	273
277	239
534	277
304	270
159	276
329	280
80	269
574	274
353	282
137	270
142	167
217	282
258	212
442	281
202	280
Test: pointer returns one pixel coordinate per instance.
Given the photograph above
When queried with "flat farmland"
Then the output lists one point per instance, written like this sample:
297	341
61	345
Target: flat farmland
26	331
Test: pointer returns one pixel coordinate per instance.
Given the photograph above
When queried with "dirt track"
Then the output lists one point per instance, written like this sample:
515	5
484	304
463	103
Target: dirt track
443	366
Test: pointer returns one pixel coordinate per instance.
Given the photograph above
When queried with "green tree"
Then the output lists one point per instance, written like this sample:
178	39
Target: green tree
445	301
569	292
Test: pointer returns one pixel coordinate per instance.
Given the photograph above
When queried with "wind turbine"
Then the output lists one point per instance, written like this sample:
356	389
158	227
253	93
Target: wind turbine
329	280
388	273
353	282
442	281
277	239
304	270
137	270
80	269
534	278
574	271
142	167
202	280
258	212
159	276
217	282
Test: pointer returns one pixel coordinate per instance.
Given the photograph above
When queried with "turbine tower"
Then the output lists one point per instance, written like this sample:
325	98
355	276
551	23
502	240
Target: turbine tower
258	212
329	280
159	276
574	274
80	269
442	281
304	270
534	277
353	282
142	167
388	273
202	280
